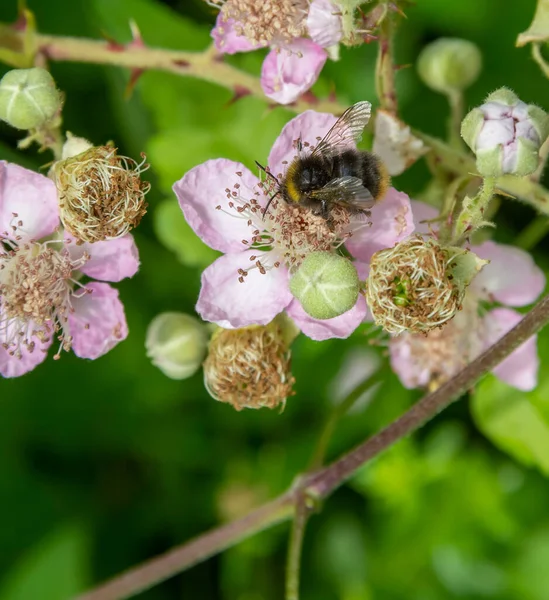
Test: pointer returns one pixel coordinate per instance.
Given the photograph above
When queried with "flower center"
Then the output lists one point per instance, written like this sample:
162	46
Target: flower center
284	234
267	22
35	293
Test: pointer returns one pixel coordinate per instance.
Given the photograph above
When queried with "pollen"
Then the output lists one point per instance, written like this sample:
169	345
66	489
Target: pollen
101	194
266	22
249	367
36	287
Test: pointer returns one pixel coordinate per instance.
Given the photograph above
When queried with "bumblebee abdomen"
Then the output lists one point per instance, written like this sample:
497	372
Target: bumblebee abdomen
375	175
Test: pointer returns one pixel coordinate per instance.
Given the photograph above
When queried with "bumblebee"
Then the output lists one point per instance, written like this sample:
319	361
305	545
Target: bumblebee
335	173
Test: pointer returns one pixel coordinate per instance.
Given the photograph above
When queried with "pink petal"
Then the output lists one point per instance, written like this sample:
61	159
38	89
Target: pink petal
11	366
422	212
112	260
203	188
289	71
392	221
404	365
511	278
324	23
309	126
519	369
338	327
32	197
231	304
98	322
226	39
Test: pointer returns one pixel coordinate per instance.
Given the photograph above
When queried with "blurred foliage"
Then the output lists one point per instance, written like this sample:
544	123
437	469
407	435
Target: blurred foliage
106	463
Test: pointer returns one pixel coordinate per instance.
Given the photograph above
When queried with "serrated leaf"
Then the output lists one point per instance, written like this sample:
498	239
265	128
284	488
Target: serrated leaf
515	421
55	569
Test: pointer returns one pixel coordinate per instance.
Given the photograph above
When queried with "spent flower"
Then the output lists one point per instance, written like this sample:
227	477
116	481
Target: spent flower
101	194
42	296
505	134
250	367
511	279
224	203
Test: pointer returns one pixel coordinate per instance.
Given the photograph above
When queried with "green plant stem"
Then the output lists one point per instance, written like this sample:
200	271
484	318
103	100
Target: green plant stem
322	445
473	212
455	100
533	233
323	482
295	547
207	65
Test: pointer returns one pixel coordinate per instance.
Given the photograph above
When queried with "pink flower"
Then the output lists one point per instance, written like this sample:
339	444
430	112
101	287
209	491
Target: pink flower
296	31
224	203
510	279
41	296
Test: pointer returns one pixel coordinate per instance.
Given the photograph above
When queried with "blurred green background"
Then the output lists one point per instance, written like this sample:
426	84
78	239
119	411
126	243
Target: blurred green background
104	464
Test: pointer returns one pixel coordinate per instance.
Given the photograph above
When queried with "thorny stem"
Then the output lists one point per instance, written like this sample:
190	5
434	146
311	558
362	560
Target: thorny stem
385	68
322	483
473	211
137	57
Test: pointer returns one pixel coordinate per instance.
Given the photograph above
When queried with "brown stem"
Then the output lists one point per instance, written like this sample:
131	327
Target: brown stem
322	483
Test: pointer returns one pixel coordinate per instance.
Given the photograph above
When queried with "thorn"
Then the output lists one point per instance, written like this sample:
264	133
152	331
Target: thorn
239	92
396	8
309	97
135	74
137	38
112	44
400	67
182	63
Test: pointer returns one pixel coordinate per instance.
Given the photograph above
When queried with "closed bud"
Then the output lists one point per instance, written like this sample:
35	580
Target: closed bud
449	64
250	367
505	134
176	344
418	285
326	285
28	98
101	194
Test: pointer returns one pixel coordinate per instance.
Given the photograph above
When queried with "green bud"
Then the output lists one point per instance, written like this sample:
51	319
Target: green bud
28	98
490	162
326	285
449	64
503	95
176	343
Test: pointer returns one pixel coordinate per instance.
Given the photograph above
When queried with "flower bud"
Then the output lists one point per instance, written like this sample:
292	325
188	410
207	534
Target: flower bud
176	344
101	195
250	367
28	98
418	285
505	134
449	64
326	285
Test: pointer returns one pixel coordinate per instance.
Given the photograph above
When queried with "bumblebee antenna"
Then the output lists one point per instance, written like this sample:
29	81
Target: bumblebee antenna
269	174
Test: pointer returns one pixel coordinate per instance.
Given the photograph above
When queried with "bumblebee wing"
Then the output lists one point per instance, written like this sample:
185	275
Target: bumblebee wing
346	191
346	132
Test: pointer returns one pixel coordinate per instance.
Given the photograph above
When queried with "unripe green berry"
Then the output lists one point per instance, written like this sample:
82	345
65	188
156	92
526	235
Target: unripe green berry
326	285
28	98
449	64
176	344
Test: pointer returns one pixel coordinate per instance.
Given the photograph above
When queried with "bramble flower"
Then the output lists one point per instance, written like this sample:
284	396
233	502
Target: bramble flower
250	367
510	279
41	295
101	194
297	31
505	134
224	203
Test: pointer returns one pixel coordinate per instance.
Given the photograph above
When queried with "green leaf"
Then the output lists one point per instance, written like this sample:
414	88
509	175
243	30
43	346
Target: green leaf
515	421
55	569
176	234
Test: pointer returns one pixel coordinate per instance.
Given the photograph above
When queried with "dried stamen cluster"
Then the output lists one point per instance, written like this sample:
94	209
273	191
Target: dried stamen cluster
101	195
411	288
249	367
